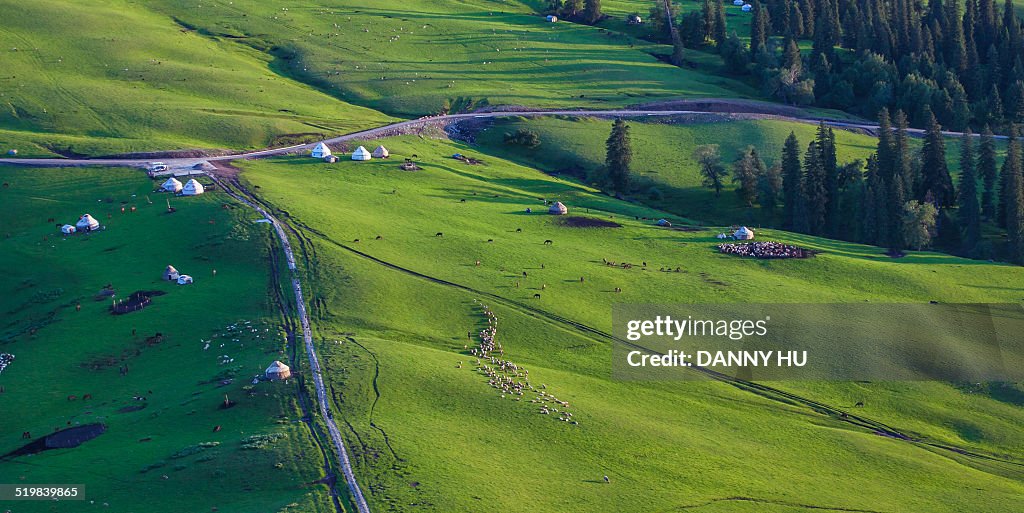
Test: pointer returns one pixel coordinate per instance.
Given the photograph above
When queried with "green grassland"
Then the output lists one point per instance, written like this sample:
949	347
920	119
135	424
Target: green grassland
663	155
409	59
393	314
152	455
132	80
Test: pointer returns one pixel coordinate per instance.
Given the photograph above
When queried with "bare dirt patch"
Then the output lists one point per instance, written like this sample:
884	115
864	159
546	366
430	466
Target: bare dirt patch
587	222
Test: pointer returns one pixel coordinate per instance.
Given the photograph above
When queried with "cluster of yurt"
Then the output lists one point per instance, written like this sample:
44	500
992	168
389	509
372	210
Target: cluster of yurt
278	371
558	209
190	188
323	152
86	223
172	274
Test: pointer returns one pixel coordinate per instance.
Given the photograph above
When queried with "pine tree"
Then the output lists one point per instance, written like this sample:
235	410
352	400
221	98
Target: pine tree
871	220
903	165
955	46
618	156
758	29
720	26
1015	102
769	183
791	180
1014	198
745	172
935	180
814	189
988	171
1005	173
969	211
830	169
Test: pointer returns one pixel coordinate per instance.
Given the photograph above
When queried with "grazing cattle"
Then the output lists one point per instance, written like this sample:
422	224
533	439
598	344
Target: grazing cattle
860	404
380	237
607	479
26	435
355	240
463	200
536	296
549	242
86	397
581	279
490	240
524	274
50	220
72	397
439	234
519	230
216	429
543	286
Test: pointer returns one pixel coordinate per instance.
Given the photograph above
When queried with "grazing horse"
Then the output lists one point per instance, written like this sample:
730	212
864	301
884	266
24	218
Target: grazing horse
380	237
439	234
536	296
86	397
216	429
519	230
860	404
463	200
524	274
549	242
490	240
355	240
72	397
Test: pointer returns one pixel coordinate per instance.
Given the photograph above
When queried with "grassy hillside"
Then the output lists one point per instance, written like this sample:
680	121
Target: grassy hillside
393	314
663	155
94	77
408	59
167	404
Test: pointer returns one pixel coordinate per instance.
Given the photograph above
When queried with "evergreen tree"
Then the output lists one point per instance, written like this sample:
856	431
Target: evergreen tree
1014	198
987	171
969	210
873	227
711	168
815	195
758	29
769	183
903	166
935	180
1015	102
720	27
746	171
791	180
618	156
851	201
829	163
1009	168
708	13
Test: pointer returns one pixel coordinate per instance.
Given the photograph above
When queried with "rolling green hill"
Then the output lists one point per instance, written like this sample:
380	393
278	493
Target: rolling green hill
392	314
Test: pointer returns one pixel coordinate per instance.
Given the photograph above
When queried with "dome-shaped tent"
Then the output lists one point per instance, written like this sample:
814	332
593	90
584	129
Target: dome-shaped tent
278	370
68	229
171	185
381	153
746	8
331	159
361	154
320	151
192	188
743	233
558	209
171	274
87	223
664	222
184	279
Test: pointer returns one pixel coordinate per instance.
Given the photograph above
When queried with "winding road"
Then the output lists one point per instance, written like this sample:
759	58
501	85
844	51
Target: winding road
201	164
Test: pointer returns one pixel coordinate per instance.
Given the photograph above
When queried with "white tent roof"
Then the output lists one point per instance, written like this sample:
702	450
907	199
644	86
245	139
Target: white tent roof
184	279
744	233
320	151
361	154
87	222
68	228
277	367
381	152
192	188
558	208
172	185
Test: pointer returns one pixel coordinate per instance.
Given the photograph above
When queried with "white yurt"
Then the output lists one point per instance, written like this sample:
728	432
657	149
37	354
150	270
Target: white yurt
171	185
171	274
184	279
743	233
87	223
320	151
381	153
746	7
331	159
738	2
67	229
278	370
558	209
664	222
361	154
192	188
552	18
